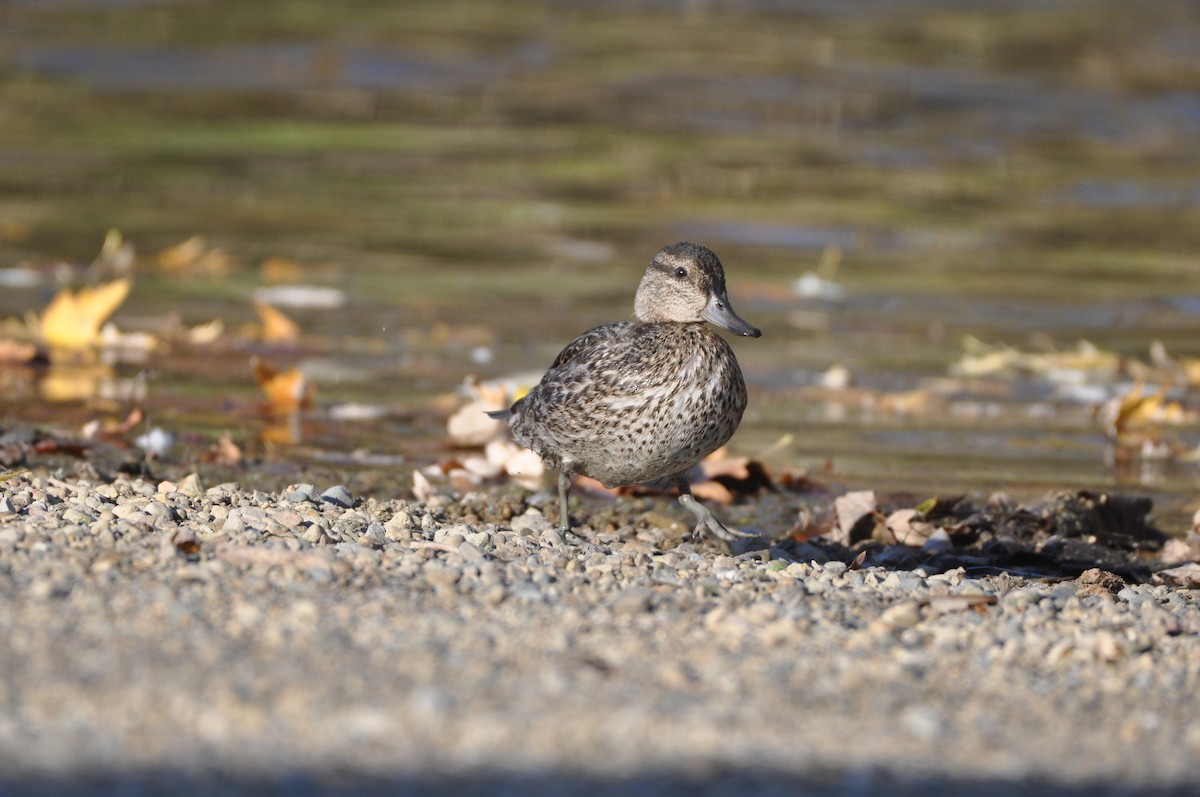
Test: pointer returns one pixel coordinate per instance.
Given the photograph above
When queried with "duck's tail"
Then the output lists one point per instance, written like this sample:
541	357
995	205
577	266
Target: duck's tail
500	415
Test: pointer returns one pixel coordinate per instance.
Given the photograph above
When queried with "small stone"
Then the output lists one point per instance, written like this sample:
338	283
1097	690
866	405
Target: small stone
300	493
1020	599
190	486
632	600
375	536
532	522
288	518
127	510
1065	590
835	568
798	569
160	511
338	495
442	575
481	538
900	616
6	506
470	552
76	515
45	588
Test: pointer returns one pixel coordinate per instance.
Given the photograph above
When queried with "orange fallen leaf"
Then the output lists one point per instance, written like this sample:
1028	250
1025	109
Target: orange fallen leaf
287	391
286	433
73	320
194	257
276	327
281	269
181	255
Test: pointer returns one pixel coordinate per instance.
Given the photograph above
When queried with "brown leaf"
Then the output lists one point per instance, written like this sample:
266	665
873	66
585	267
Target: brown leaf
852	512
906	527
225	451
1187	575
712	492
739	475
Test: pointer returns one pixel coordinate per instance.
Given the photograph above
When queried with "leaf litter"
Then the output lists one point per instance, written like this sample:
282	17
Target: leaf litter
1065	535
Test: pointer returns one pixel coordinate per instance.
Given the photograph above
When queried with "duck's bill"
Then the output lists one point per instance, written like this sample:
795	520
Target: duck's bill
721	313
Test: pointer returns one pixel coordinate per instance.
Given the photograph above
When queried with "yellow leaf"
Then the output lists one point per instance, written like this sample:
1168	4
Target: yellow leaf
1135	410
73	320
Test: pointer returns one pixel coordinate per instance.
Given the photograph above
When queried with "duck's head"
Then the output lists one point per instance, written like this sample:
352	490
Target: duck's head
686	283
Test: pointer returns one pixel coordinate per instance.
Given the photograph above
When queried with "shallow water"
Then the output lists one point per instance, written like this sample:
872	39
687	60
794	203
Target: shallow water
484	182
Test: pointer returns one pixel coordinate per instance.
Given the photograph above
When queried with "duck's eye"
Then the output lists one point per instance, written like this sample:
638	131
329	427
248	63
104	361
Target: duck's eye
681	272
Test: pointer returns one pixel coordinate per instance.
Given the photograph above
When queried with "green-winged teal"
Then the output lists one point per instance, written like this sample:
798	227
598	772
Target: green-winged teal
630	402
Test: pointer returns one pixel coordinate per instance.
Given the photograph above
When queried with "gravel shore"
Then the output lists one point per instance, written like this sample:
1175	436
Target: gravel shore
168	638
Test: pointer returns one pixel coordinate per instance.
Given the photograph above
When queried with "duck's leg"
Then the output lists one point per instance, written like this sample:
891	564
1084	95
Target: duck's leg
706	520
564	489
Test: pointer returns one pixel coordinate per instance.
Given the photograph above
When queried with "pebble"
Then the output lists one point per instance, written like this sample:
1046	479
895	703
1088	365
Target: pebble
301	493
338	495
529	649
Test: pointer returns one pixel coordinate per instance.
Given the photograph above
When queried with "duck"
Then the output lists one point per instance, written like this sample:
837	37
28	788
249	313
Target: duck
639	401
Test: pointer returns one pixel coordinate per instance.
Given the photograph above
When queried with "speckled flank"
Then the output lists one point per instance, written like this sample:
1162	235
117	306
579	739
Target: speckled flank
631	402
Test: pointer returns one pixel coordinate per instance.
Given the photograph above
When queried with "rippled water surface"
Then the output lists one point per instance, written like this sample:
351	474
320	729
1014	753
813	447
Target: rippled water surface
484	181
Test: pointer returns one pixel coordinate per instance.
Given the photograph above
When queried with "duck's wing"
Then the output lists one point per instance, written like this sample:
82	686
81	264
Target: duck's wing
607	360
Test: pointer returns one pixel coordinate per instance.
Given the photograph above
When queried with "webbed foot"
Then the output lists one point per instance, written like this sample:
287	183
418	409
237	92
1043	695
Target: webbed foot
707	522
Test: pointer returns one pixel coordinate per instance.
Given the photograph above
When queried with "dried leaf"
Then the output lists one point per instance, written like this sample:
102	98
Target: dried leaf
284	433
1187	575
16	351
116	256
905	527
1136	411
982	359
12	474
712	492
851	513
287	391
276	327
73	320
225	451
194	257
281	269
204	334
471	426
526	468
422	489
179	257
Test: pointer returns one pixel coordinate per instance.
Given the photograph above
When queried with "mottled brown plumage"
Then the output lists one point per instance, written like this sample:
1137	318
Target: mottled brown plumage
631	402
